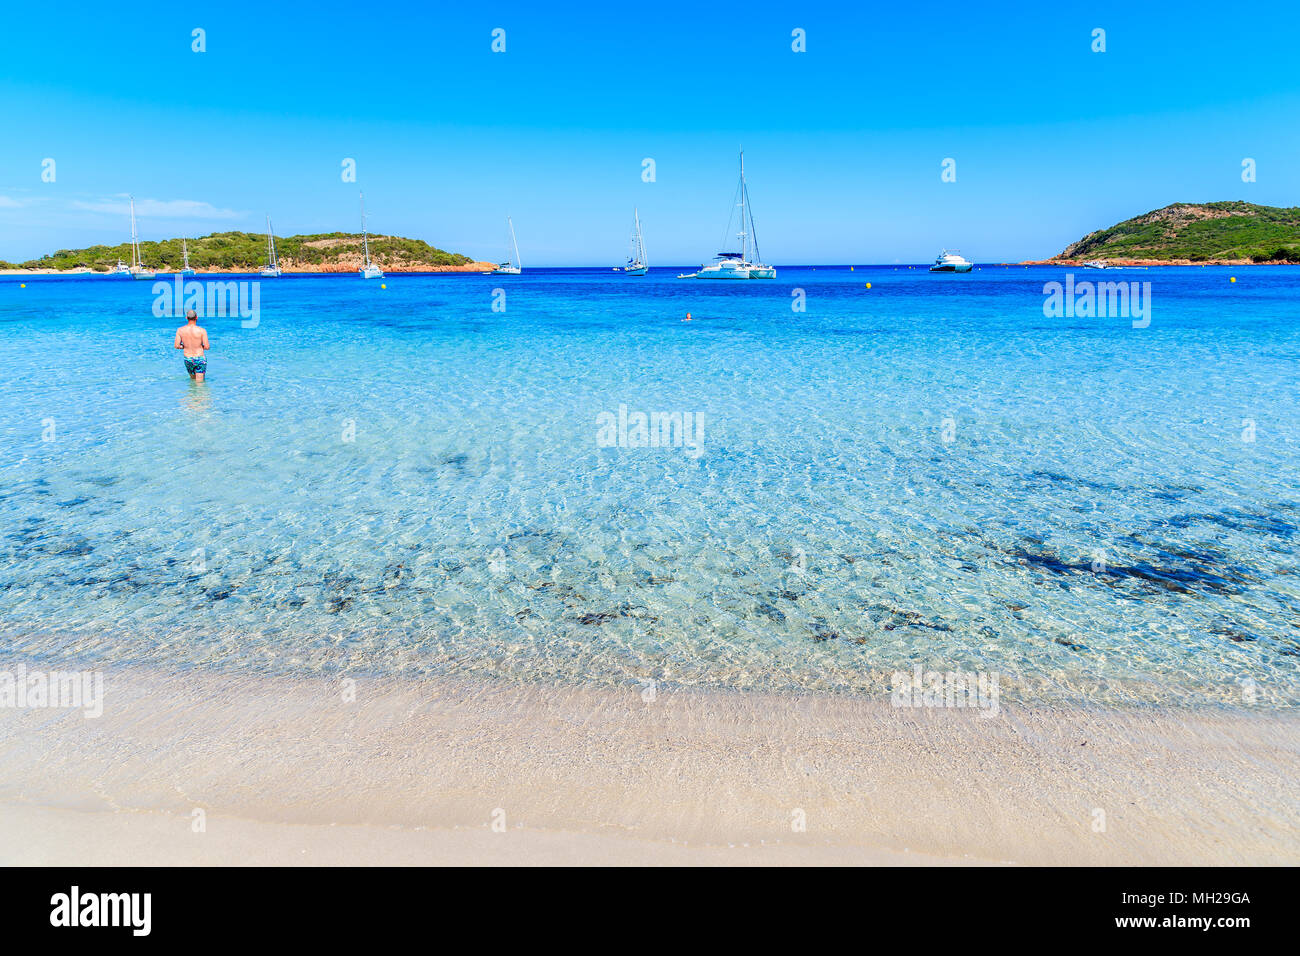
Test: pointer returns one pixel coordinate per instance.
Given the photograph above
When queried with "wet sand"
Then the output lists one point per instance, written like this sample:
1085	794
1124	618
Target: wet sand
290	771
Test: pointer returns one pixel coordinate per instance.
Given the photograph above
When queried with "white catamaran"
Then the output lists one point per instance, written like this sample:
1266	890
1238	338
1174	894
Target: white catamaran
738	265
512	267
272	270
636	261
137	269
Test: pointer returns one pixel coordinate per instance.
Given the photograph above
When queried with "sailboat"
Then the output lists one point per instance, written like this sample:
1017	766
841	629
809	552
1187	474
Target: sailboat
513	266
272	270
137	269
185	270
738	265
368	270
636	262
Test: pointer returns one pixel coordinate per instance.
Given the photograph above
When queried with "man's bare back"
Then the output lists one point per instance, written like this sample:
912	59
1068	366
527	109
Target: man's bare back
192	340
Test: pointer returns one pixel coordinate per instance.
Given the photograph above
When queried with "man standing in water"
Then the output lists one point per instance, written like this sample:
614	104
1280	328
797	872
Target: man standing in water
192	338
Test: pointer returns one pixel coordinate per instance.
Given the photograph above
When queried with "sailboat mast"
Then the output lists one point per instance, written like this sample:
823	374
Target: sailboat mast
758	256
744	235
135	240
365	238
514	242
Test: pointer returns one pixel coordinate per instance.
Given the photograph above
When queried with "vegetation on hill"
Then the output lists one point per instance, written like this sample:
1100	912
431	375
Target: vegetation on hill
247	250
1199	232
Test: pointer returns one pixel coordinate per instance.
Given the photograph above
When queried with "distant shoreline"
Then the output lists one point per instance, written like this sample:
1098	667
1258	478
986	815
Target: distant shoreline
481	267
1156	262
333	268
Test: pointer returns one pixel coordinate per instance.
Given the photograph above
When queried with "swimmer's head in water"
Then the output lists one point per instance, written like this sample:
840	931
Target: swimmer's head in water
191	316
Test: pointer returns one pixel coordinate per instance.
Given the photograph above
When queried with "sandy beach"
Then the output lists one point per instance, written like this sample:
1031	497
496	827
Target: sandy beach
459	771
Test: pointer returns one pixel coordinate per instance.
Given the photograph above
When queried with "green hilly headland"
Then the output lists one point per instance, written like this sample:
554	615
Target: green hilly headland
1198	232
246	251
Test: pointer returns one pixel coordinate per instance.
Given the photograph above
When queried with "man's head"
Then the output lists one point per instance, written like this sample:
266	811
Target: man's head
191	316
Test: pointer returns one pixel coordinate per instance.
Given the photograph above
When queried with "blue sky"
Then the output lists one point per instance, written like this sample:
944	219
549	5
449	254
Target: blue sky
843	143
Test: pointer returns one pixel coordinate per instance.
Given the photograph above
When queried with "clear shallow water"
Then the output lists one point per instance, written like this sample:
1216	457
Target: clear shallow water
1095	530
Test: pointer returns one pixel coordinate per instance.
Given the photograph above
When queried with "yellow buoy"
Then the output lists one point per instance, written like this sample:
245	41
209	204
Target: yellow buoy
1232	279
22	285
868	285
383	285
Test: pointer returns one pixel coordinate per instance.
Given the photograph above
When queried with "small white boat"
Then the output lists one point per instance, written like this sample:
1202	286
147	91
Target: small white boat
137	269
512	267
122	269
272	269
636	261
737	265
950	261
1095	264
185	269
368	269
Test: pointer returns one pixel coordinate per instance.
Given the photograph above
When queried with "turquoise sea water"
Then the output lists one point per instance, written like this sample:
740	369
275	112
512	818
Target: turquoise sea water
403	480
